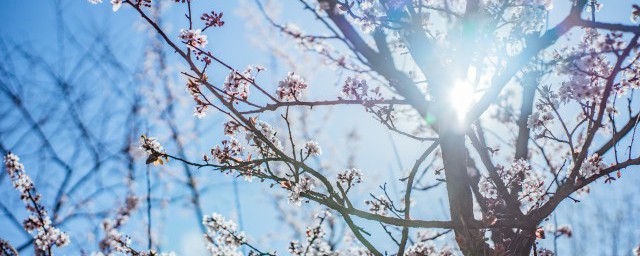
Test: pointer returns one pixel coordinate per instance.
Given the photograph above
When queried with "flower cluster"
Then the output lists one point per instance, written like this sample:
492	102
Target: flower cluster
114	240
350	177
588	66
7	249
270	133
115	4
212	20
193	38
154	150
193	88
355	88
592	166
371	14
358	89
122	244
291	87
230	149
544	109
223	237
315	244
231	128
150	145
312	148
530	16
46	235
426	248
533	190
305	184
635	14
379	205
583	84
630	78
237	84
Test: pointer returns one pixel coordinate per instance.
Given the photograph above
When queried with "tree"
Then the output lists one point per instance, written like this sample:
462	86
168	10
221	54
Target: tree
573	120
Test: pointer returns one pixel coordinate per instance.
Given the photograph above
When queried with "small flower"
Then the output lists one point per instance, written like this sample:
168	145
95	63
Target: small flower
592	166
193	88
354	88
193	38
229	150
305	184
231	128
212	20
237	84
427	248
312	148
635	14
223	237
291	87
487	188
379	205
47	235
116	4
150	145
95	1
154	150
350	177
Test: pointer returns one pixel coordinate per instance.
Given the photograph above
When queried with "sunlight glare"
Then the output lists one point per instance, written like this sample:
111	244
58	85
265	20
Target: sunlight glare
462	96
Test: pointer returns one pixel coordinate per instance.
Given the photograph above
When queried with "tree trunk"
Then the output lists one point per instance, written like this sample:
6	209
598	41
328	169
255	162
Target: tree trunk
452	143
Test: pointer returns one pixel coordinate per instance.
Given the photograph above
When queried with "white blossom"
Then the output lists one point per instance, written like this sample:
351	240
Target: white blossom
150	145
193	38
354	88
270	133
230	149
291	87
312	148
116	4
193	88
592	166
350	177
223	237
231	128
237	83
427	248
379	205
532	184
46	235
305	184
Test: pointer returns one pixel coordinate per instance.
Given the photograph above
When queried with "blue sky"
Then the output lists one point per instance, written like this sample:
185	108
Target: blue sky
33	24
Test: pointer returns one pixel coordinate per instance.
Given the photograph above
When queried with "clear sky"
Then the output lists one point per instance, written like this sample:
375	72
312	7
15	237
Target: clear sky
34	25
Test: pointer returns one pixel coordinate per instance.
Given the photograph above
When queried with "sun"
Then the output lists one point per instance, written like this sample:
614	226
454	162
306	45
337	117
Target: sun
462	96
